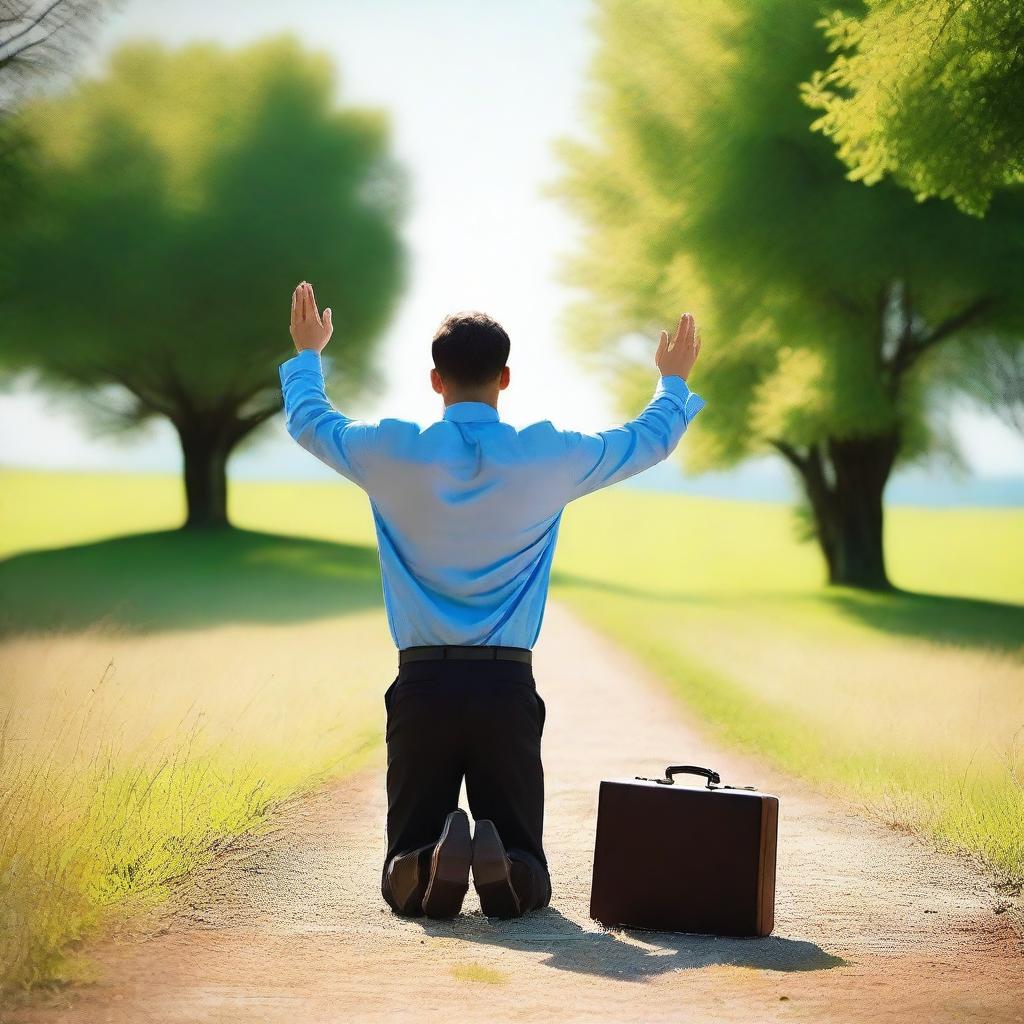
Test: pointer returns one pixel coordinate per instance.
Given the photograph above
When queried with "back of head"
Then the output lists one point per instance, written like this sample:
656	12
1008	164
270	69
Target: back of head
470	349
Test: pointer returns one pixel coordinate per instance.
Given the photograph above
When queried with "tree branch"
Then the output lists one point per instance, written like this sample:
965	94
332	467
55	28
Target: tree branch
790	453
909	354
33	42
955	322
34	23
246	424
145	395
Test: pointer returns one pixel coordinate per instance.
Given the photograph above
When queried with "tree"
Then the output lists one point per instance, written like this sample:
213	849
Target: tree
176	202
928	91
824	303
37	38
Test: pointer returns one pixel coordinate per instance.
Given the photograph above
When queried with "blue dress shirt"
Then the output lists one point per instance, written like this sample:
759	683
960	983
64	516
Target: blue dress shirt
467	509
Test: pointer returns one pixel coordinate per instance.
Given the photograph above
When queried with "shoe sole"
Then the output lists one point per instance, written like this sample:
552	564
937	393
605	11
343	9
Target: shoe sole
491	873
449	868
404	882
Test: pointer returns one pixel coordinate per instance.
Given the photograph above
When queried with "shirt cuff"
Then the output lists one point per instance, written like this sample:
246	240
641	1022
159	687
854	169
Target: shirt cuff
307	359
689	401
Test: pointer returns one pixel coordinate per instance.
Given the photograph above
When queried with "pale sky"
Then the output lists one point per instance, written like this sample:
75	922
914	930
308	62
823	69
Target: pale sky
476	92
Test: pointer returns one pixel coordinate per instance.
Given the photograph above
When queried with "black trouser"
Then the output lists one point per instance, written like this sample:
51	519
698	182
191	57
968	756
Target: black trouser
482	720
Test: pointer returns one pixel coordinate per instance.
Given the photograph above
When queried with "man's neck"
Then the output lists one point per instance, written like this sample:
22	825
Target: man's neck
488	398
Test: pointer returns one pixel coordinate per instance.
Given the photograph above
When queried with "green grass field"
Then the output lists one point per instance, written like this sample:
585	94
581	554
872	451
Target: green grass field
911	703
162	691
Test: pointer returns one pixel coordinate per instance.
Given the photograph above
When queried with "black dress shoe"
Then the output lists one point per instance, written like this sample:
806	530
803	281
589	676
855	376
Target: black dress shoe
407	881
492	873
448	881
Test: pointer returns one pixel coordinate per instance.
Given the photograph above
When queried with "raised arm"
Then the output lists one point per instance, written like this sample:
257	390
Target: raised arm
598	460
342	443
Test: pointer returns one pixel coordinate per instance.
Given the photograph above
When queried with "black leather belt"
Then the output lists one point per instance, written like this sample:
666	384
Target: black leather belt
455	652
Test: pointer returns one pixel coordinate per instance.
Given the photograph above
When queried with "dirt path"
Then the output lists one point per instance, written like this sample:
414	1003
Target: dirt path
871	923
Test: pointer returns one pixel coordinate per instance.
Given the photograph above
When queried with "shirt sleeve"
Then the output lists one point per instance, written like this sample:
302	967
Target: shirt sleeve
598	460
344	444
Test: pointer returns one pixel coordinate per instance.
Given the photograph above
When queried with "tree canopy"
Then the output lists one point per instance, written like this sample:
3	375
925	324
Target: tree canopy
928	91
823	302
175	202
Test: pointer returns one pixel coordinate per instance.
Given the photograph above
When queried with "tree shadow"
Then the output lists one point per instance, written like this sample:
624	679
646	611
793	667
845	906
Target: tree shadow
618	954
957	621
184	578
960	621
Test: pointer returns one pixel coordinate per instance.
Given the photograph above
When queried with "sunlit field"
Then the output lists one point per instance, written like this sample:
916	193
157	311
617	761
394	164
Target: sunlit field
162	691
911	703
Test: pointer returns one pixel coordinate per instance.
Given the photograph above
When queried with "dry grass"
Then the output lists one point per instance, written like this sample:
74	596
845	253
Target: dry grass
479	974
125	760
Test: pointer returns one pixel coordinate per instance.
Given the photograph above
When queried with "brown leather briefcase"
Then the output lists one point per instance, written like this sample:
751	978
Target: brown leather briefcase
685	858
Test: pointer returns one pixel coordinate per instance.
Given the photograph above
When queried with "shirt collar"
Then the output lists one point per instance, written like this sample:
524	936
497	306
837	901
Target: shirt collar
471	412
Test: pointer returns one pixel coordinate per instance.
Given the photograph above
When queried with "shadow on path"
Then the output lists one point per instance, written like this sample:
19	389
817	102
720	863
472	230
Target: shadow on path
183	578
606	954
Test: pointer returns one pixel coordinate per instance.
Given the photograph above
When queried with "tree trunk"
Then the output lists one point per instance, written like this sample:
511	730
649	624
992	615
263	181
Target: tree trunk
845	482
862	469
206	482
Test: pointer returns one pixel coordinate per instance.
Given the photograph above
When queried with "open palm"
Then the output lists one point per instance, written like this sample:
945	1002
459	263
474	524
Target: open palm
678	358
308	330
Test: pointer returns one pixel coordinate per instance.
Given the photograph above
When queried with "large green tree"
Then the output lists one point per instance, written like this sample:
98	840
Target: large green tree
175	202
928	91
829	309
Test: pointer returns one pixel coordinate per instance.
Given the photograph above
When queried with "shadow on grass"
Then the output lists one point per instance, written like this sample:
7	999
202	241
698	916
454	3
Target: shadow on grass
186	578
960	621
605	954
963	621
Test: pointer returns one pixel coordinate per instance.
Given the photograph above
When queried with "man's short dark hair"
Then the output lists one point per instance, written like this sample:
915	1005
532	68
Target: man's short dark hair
470	349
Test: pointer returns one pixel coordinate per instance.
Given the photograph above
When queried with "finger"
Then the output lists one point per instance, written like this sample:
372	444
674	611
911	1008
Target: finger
302	300
312	303
295	304
328	323
680	335
662	348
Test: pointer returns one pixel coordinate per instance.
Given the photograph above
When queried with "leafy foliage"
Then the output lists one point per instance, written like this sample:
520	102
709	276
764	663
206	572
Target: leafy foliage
705	190
928	91
824	303
176	203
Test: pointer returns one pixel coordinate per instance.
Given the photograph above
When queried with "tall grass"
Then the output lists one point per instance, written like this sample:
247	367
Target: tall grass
125	761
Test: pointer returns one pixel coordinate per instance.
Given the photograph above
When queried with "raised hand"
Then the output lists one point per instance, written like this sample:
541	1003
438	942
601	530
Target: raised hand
309	331
678	359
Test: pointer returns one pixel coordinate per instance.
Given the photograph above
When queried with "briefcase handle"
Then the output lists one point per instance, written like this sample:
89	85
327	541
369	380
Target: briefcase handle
714	779
673	770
